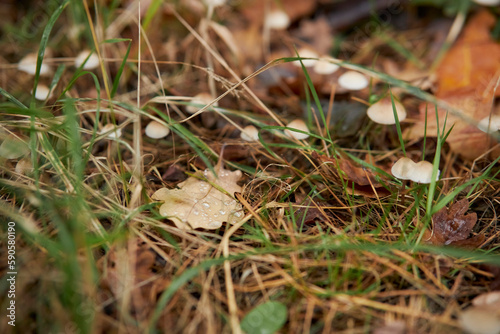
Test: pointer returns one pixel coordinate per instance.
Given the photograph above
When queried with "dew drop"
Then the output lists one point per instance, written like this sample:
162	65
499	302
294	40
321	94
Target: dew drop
222	212
215	224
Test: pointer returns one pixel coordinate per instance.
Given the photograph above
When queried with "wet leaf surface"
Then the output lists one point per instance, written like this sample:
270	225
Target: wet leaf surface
199	201
453	227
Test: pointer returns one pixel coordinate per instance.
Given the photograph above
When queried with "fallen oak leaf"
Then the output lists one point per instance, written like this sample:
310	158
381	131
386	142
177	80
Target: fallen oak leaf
309	211
468	67
453	227
203	200
465	79
351	171
149	278
464	139
360	181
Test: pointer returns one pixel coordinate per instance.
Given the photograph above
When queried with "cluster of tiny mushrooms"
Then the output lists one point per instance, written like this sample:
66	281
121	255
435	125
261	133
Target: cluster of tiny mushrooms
196	204
381	112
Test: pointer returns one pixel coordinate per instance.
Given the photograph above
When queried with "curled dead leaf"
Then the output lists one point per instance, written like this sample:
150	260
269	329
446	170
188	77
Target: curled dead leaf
360	181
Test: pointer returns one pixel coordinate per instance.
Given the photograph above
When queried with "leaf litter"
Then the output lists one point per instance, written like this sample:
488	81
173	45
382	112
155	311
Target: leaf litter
467	80
323	286
451	226
204	200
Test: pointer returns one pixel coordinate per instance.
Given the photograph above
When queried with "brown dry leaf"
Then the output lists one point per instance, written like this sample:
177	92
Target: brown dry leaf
465	80
453	227
465	139
309	212
495	273
200	204
474	60
357	177
116	268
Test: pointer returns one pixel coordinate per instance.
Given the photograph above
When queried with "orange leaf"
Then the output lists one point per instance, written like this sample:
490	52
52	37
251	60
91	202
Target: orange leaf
466	79
474	60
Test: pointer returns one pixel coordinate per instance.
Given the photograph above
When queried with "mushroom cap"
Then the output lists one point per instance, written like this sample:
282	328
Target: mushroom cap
117	133
352	80
381	112
407	169
422	172
250	133
277	19
487	2
489	124
299	125
42	92
306	53
24	166
214	3
326	65
480	320
199	99
403	168
490	299
28	65
156	130
90	64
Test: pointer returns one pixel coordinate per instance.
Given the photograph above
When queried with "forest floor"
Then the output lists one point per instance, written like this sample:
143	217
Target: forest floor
222	167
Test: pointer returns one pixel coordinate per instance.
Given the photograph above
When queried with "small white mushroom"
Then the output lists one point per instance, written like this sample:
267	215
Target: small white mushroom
156	130
28	65
42	92
489	124
277	19
483	316
480	320
117	133
250	133
326	65
306	53
381	112
24	166
352	80
403	168
297	124
407	169
422	172
490	299
199	99
91	63
489	3
214	3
